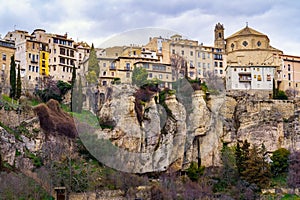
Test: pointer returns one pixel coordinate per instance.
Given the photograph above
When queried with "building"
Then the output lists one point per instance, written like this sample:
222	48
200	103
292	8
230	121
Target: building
118	63
251	61
42	55
7	50
288	75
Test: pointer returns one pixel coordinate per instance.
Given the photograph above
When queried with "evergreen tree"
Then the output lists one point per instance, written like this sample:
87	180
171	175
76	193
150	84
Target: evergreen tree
257	170
93	66
12	76
241	155
229	172
19	84
73	82
80	96
139	76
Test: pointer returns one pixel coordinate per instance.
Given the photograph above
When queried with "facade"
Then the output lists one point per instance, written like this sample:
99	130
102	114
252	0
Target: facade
251	61
118	63
7	49
288	75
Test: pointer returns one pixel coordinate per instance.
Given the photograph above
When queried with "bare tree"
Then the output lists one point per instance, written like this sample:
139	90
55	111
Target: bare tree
179	65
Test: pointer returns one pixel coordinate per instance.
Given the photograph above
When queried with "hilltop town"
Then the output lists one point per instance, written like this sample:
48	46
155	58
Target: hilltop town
245	60
169	119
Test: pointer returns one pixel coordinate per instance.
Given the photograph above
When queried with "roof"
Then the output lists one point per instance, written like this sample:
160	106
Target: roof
247	31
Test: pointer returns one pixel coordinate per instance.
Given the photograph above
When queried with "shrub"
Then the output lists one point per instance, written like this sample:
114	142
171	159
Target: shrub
279	163
194	172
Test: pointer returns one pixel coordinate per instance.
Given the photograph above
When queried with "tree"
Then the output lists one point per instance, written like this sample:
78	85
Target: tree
214	83
241	155
194	172
179	65
12	79
77	97
139	76
73	82
280	163
257	170
19	84
229	174
93	66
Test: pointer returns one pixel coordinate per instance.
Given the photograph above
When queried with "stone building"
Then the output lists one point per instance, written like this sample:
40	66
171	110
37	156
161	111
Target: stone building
288	75
251	61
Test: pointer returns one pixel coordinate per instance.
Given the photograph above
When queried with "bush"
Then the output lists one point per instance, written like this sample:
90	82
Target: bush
194	172
279	163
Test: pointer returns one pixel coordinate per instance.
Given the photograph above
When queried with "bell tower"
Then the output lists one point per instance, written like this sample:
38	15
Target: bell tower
219	36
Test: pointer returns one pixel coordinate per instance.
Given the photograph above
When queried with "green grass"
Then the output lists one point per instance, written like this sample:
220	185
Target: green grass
290	197
87	117
8	99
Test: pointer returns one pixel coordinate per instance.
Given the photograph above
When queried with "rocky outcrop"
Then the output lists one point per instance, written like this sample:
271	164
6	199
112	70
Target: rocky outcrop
195	136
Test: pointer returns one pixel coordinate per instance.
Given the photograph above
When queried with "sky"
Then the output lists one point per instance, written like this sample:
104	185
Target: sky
97	21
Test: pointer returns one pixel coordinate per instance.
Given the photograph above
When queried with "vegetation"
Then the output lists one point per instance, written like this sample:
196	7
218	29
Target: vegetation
12	79
139	76
19	84
279	163
194	172
54	90
93	67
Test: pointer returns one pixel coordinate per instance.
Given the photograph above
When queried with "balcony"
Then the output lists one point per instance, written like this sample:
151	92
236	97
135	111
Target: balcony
112	67
127	68
245	79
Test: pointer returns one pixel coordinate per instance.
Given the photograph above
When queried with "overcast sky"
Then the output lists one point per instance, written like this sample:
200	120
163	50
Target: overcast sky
97	20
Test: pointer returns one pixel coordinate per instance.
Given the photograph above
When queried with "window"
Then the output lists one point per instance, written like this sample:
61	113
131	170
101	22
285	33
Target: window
208	65
199	64
104	83
104	64
173	51
204	65
191	53
104	73
289	84
254	76
258	77
37	69
182	52
33	46
3	56
29	68
221	71
191	63
220	64
64	68
234	69
160	76
112	73
268	77
289	76
29	77
128	75
54	59
232	46
29	55
167	76
203	55
44	56
54	51
208	55
32	68
3	66
259	43
128	66
216	64
289	67
199	54
245	43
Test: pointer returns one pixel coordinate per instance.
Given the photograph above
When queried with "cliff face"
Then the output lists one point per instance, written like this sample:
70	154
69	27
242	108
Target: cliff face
171	135
171	142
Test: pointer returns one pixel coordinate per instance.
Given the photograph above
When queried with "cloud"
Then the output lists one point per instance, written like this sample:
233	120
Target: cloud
96	20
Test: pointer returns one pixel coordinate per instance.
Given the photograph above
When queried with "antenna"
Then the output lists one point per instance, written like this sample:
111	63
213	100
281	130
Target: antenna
246	24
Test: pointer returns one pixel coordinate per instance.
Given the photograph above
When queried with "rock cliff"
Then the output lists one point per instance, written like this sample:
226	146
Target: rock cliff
163	141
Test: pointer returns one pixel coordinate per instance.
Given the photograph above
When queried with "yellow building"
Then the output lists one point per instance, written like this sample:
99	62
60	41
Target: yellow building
44	63
7	49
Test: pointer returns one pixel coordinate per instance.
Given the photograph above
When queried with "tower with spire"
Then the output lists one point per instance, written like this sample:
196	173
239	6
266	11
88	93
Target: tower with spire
219	36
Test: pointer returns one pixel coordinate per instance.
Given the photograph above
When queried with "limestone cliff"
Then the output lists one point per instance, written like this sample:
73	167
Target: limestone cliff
171	142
